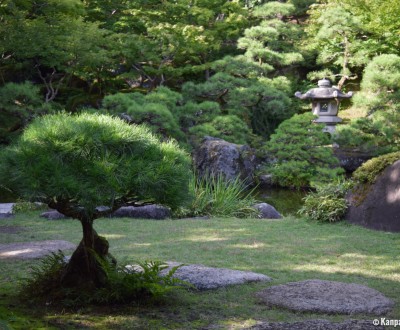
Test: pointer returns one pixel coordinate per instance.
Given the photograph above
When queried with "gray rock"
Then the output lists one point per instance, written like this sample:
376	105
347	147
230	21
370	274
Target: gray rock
318	325
206	278
377	207
6	209
267	211
351	159
31	250
6	215
219	157
53	215
153	211
102	208
265	180
330	297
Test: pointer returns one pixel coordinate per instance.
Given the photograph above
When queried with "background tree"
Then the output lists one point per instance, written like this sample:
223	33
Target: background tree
19	104
86	166
378	132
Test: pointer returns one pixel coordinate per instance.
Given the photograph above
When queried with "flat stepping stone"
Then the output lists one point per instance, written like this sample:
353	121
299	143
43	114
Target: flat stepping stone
31	250
329	297
6	208
206	278
318	324
53	215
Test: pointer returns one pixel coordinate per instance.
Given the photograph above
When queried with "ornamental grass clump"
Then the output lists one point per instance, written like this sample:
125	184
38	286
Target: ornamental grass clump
327	203
216	196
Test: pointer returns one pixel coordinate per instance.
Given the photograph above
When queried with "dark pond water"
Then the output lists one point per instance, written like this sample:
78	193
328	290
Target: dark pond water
286	201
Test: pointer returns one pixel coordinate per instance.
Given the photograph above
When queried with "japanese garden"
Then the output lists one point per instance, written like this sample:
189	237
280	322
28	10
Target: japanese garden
198	164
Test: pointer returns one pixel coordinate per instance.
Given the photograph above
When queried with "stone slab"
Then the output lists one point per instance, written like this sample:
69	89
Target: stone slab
318	325
53	215
329	297
31	250
206	278
153	211
6	208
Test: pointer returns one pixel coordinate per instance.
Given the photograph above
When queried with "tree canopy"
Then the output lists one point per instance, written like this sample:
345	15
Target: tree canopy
189	68
88	165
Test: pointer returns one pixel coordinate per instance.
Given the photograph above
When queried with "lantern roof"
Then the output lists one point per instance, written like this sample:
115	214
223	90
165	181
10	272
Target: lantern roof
325	90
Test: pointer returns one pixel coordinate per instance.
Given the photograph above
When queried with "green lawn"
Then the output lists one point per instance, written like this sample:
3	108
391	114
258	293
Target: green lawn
286	250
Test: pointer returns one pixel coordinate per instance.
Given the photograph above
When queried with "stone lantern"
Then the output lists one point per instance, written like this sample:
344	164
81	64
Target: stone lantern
325	103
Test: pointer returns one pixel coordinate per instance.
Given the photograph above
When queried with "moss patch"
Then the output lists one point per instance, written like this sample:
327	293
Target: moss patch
370	170
367	174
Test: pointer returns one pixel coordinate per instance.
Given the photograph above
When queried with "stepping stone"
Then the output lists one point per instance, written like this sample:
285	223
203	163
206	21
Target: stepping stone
206	278
153	211
330	297
53	215
6	208
31	250
318	324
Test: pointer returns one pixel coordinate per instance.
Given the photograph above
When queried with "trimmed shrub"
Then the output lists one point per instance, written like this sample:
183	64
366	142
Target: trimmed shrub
302	154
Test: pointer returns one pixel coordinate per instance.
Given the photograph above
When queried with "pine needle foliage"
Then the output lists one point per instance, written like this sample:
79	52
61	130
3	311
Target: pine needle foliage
94	160
302	153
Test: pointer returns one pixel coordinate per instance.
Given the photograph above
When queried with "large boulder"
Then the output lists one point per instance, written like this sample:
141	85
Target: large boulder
377	206
53	215
218	157
267	211
153	211
351	159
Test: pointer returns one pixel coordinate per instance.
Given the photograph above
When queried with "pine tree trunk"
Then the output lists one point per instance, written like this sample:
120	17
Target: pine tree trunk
86	267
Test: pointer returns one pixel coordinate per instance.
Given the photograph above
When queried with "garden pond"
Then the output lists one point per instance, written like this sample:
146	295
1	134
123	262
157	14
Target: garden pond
286	201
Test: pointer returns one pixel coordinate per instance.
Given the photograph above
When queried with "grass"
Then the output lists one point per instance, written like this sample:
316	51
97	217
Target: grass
286	250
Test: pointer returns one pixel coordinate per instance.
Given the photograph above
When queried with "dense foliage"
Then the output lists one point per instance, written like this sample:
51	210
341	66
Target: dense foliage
189	68
91	160
377	133
302	154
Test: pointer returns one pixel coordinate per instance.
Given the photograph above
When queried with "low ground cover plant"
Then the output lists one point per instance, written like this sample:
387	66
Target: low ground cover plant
142	281
327	203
